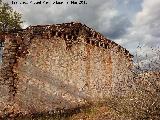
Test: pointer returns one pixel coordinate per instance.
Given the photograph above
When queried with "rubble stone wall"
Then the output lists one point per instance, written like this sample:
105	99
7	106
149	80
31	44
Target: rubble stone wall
61	66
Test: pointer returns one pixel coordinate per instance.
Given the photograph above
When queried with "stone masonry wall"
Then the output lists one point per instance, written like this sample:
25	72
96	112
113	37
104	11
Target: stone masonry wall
63	66
8	77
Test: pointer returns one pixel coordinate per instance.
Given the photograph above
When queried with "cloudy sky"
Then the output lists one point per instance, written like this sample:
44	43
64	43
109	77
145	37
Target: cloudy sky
130	23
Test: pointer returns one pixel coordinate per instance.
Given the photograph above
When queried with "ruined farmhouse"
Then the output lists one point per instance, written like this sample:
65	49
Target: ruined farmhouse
60	66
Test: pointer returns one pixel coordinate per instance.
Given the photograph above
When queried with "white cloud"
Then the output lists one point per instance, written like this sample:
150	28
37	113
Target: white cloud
101	15
145	28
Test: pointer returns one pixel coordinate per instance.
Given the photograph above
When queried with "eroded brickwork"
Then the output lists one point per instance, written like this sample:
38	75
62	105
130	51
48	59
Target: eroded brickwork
60	66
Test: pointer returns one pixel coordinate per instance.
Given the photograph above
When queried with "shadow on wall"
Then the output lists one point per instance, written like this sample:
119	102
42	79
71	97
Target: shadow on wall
44	96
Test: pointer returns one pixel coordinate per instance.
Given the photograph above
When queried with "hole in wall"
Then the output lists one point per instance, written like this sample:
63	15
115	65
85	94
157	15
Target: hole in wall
97	43
95	35
89	35
64	35
101	44
53	33
69	37
72	32
1	50
74	37
105	46
126	52
59	34
88	40
92	42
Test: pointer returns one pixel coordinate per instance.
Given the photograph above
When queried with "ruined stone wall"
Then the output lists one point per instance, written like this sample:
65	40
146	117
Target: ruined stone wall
61	67
7	77
4	97
52	77
122	73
